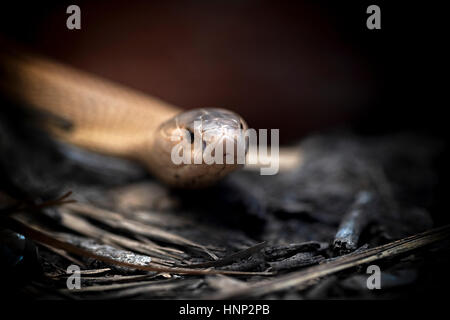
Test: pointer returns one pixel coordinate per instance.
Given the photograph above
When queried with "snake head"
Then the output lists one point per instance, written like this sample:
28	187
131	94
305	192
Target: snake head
198	147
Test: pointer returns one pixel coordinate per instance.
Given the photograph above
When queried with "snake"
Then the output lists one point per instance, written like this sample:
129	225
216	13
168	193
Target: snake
112	119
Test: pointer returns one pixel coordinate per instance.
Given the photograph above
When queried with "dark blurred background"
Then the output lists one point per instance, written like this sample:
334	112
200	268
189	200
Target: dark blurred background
298	66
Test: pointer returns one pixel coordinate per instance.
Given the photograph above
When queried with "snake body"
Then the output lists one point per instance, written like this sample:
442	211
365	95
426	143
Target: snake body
108	118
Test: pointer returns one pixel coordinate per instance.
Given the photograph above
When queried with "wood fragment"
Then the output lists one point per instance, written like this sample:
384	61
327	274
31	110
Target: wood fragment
391	249
120	278
43	237
116	220
116	286
358	217
255	262
301	259
231	258
277	252
66	256
94	271
83	227
162	290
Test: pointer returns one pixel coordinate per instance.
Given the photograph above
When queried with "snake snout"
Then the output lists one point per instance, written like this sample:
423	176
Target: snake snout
213	143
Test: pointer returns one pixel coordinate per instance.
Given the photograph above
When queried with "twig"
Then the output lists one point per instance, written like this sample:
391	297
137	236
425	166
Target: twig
344	262
22	205
354	222
116	220
298	260
231	258
42	237
277	252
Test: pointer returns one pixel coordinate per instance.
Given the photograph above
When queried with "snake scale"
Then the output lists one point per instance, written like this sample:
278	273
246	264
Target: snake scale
112	119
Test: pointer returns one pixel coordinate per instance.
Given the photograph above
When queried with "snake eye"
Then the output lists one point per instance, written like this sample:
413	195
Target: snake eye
241	125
